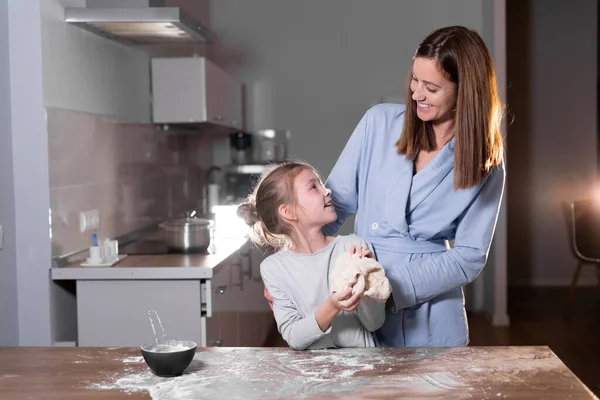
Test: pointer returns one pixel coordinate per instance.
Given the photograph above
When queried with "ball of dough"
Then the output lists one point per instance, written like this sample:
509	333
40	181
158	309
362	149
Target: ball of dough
364	275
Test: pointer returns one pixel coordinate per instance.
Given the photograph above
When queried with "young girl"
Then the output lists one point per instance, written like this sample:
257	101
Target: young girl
287	210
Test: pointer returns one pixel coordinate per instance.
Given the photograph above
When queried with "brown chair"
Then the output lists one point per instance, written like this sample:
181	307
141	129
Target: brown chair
583	220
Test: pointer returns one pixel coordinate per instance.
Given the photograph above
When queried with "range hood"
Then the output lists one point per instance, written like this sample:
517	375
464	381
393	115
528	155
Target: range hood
138	22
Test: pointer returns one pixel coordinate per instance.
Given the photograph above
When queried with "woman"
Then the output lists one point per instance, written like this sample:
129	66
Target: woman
421	175
442	180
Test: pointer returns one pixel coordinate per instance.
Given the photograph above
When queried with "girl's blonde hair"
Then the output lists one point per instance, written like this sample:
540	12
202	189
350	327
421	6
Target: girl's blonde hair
261	211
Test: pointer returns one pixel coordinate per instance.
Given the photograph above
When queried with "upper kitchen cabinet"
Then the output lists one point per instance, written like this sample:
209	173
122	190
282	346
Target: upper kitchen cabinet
193	90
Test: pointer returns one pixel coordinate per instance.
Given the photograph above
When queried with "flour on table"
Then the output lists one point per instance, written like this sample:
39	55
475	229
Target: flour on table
237	375
433	373
138	359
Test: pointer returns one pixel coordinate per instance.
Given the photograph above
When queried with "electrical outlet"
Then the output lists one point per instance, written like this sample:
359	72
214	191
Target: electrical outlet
89	220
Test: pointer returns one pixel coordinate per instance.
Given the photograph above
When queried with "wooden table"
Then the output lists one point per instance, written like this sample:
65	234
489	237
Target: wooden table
278	373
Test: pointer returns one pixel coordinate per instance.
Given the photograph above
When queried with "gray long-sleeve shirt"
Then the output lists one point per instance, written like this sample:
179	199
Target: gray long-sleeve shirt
299	284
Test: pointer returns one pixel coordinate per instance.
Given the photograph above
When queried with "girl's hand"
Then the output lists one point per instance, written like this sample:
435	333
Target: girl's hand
361	251
345	301
332	306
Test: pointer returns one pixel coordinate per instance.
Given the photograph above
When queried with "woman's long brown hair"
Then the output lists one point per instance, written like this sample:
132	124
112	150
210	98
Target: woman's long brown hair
464	59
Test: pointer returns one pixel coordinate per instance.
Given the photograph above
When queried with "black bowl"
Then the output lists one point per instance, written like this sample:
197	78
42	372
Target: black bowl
169	358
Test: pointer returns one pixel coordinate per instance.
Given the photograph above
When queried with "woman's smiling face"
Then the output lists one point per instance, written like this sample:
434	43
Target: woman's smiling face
434	94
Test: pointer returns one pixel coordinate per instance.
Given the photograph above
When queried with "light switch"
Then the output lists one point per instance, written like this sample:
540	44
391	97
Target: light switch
1	238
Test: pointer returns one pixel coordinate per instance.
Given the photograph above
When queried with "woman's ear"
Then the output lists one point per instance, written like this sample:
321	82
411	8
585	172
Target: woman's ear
287	213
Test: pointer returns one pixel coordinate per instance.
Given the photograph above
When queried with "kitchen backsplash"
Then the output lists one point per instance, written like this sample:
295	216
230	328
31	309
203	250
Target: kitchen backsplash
132	174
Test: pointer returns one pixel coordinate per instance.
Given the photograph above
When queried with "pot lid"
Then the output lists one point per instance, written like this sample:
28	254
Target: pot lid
189	221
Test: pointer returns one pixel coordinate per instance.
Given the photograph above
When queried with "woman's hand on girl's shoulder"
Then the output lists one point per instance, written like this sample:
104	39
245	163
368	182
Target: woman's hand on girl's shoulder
268	297
362	252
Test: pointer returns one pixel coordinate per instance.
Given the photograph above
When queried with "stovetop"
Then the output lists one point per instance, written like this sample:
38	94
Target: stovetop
150	247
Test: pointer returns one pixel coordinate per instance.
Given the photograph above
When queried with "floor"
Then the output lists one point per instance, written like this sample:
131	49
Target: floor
541	316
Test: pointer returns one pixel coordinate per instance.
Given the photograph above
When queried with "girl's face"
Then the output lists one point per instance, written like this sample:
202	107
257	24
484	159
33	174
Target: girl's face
314	200
434	94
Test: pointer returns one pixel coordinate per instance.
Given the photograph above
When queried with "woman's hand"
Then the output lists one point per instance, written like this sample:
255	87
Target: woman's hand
361	251
268	297
345	301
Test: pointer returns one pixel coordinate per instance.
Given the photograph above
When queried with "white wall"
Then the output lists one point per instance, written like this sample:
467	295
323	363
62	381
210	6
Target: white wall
489	291
552	157
86	73
28	238
314	67
9	315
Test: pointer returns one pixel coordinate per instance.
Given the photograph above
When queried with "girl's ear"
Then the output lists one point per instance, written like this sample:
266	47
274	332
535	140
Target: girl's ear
287	213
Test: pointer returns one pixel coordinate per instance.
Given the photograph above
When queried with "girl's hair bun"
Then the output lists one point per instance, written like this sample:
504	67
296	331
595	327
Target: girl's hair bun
247	211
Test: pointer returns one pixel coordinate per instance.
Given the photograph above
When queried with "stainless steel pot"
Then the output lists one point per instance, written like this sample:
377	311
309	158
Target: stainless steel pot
189	235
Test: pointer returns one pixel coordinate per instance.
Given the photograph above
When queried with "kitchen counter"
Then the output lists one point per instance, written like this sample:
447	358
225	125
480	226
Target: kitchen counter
213	299
156	266
252	373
